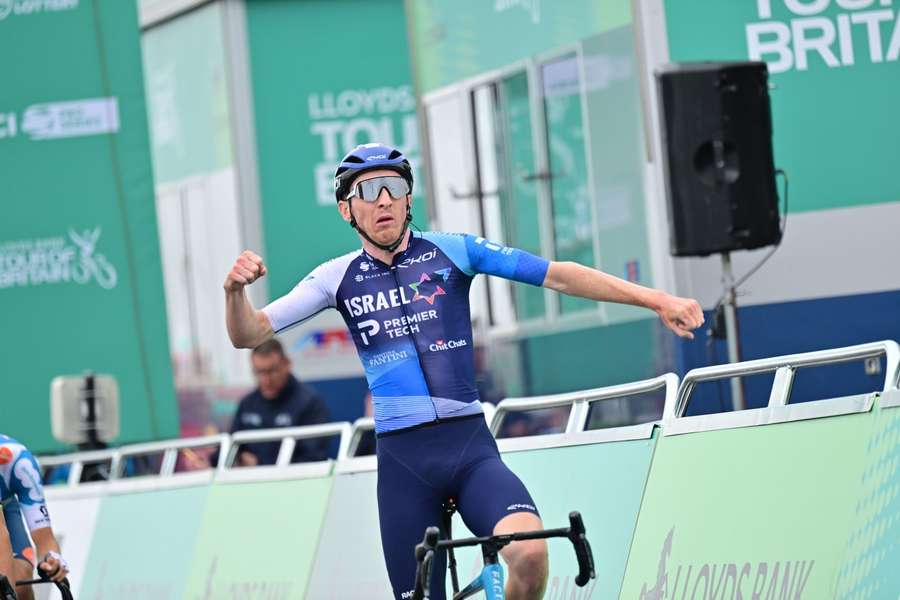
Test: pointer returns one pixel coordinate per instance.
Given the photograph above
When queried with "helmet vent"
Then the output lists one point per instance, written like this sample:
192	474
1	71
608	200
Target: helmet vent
353	159
394	154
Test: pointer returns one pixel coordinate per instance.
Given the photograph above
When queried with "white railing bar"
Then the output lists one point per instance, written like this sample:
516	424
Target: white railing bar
288	437
579	401
889	348
360	426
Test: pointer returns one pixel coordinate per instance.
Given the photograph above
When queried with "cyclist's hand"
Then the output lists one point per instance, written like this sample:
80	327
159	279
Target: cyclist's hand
681	315
54	566
247	268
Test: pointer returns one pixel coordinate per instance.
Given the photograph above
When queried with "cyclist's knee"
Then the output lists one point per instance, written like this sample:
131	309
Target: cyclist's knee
528	563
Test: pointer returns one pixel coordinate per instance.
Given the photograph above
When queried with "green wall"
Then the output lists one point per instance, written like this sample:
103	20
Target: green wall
80	278
326	77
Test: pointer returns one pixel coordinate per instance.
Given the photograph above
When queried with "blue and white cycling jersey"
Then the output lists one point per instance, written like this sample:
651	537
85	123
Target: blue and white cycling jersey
410	320
20	477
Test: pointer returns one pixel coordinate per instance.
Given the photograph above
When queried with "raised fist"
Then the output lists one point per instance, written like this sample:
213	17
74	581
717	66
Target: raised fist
247	268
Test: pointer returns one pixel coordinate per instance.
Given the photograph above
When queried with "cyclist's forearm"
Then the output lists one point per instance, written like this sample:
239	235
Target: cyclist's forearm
6	553
45	541
578	280
247	327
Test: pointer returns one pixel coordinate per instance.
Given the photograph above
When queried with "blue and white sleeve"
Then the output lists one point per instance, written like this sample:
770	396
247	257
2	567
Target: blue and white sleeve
26	484
510	263
311	296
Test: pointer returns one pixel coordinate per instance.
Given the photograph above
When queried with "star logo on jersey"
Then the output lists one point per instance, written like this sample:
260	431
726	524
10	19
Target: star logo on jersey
427	289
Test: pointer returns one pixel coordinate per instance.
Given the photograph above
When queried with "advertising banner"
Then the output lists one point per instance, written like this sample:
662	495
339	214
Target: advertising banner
349	561
757	512
258	540
869	569
143	545
834	65
80	281
73	521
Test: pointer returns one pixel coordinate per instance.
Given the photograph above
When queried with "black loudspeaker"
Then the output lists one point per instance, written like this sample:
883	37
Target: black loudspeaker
717	155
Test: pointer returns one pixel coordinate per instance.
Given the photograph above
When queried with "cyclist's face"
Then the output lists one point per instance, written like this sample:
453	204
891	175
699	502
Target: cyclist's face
382	219
271	371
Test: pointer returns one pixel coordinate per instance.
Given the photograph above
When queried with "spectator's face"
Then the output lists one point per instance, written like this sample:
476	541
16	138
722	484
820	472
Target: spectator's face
271	371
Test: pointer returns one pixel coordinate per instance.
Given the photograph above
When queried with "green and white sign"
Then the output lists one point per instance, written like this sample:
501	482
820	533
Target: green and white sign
80	281
758	512
248	531
836	68
327	76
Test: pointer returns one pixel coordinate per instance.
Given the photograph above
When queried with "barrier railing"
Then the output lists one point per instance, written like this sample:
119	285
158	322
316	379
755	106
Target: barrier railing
785	368
579	404
288	437
77	462
778	408
169	449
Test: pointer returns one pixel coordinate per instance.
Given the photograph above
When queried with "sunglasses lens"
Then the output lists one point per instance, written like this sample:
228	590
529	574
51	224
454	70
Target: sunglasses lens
370	189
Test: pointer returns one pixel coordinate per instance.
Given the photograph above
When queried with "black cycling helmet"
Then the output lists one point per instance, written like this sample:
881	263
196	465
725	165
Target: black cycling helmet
369	157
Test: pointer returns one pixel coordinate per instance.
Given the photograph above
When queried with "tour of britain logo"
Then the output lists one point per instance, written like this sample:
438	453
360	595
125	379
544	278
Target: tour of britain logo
31	7
55	260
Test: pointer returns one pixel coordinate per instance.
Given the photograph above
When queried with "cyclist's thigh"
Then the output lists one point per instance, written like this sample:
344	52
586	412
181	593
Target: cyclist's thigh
406	507
488	490
18	536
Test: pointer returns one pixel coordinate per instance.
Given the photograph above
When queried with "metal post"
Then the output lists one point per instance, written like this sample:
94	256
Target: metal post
90	400
731	331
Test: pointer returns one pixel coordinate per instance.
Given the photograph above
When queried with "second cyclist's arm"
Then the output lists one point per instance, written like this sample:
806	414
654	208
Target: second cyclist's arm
45	541
6	552
247	327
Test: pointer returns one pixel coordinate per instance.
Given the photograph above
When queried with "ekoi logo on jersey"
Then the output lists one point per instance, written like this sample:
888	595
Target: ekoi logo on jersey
427	288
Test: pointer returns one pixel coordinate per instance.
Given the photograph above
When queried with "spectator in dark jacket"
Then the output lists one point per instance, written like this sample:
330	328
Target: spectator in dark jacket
280	400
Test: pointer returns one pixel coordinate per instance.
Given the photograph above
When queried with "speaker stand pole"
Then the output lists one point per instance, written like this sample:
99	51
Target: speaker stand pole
731	331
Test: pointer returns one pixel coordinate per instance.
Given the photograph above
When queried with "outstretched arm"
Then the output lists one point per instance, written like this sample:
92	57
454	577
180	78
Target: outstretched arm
247	327
681	315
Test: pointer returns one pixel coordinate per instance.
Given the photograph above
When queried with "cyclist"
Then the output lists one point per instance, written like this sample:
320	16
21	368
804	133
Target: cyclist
6	555
404	297
23	499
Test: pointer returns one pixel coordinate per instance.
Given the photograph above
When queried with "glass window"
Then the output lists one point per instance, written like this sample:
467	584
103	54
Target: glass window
572	219
519	193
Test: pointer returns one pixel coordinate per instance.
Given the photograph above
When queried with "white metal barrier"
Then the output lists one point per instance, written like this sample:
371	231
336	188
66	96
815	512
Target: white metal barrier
579	404
778	408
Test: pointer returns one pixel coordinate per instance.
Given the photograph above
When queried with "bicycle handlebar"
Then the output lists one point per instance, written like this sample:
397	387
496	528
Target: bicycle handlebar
575	534
582	549
63	586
